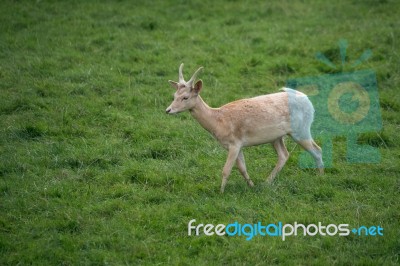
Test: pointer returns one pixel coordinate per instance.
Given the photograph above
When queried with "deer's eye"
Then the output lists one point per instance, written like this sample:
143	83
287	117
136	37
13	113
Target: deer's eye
185	98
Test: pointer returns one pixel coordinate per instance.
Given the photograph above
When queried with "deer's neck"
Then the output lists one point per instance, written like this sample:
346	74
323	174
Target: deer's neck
207	117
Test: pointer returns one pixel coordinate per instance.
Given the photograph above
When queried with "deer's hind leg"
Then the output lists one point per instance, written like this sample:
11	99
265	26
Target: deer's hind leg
315	151
283	156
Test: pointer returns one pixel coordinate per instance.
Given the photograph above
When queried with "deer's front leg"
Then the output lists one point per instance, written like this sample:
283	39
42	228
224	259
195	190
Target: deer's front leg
232	156
242	168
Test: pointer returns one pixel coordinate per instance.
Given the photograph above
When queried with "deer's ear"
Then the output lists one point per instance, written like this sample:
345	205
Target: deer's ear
174	84
198	86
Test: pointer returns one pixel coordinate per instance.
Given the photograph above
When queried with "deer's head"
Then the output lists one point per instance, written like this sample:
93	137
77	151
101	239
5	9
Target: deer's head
186	93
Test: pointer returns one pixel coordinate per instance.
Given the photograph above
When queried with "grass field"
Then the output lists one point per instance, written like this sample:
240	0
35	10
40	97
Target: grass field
92	170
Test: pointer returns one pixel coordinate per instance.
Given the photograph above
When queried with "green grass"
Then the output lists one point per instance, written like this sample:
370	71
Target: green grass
93	172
